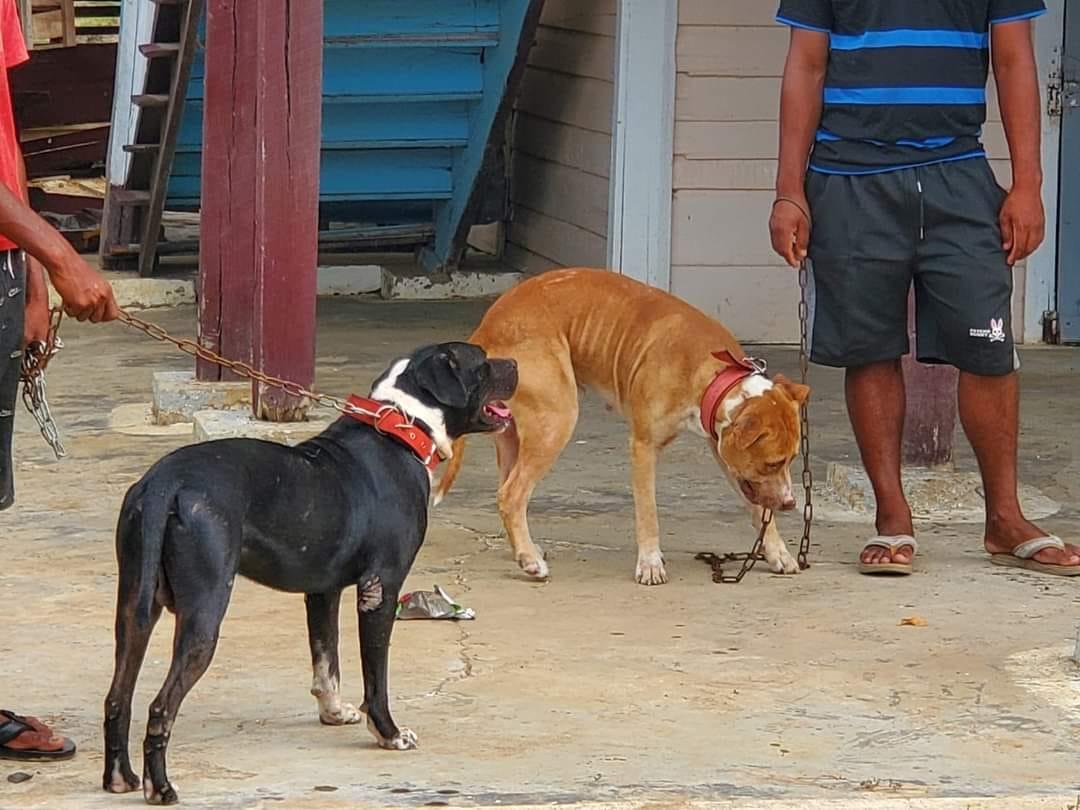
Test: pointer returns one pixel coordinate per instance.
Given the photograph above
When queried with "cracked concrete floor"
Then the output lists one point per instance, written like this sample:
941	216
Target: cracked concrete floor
590	687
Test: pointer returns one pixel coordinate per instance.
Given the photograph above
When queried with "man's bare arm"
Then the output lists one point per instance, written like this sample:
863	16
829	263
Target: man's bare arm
1023	222
800	115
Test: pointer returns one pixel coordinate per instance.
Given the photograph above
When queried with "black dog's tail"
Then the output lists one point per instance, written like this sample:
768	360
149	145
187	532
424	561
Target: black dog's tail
140	539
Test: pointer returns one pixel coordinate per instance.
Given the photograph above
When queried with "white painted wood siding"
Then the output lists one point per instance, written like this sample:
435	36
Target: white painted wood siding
561	142
729	57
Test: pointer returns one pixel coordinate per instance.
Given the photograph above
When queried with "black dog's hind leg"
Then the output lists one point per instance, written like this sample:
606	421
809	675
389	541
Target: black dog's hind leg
138	609
376	625
322	622
132	639
200	580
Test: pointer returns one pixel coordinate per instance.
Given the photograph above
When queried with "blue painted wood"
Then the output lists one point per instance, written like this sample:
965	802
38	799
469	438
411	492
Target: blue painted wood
350	18
498	63
409	91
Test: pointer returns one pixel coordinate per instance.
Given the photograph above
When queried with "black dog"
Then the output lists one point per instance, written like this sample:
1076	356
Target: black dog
348	507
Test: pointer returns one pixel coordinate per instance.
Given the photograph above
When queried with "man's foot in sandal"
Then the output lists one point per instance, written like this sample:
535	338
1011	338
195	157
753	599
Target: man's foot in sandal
1019	544
27	738
888	554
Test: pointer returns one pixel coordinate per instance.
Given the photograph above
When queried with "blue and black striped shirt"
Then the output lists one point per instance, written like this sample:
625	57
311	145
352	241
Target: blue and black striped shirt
906	82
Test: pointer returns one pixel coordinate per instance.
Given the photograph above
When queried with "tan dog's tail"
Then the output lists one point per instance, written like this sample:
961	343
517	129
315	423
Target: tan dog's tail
451	471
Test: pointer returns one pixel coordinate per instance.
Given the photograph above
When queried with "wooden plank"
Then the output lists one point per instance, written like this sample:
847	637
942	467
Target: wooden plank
564	144
163	158
504	69
560	242
722	228
288	66
581	102
227	246
726	140
639	236
594	16
712	98
575	52
728	12
731	51
759	304
562	192
751	175
158	50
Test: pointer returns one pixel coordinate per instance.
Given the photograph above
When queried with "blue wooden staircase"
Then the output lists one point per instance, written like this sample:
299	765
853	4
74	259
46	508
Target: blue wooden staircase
416	95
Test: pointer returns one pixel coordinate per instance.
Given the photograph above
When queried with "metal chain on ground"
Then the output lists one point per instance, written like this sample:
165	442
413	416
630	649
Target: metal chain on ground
35	359
717	561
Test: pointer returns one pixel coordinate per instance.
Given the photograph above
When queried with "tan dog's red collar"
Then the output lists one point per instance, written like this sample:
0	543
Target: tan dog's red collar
736	370
393	422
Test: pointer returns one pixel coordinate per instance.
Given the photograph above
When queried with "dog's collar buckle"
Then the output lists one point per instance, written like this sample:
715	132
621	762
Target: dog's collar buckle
734	372
391	421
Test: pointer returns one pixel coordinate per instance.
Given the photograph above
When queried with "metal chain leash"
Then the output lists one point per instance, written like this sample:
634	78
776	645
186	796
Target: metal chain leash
35	359
749	559
192	348
804	415
38	355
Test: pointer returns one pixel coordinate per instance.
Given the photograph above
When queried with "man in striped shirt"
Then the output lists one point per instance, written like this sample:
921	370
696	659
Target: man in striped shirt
883	184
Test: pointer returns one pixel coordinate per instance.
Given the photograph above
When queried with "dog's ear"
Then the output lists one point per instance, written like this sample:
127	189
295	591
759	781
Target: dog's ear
748	431
799	393
440	376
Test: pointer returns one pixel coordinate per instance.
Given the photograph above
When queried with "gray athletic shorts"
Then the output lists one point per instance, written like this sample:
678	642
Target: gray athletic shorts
935	227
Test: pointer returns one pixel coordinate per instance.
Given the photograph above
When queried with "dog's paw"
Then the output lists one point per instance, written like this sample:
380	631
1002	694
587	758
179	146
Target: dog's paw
781	561
650	569
121	780
167	795
405	739
535	567
344	715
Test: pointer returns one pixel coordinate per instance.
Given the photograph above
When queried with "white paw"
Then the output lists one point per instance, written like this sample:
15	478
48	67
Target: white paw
780	561
344	715
405	740
535	567
650	569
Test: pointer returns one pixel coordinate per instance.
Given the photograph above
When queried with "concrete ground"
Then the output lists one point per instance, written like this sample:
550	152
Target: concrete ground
803	690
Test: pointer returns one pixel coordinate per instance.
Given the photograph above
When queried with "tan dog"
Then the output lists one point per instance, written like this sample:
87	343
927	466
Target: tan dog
655	359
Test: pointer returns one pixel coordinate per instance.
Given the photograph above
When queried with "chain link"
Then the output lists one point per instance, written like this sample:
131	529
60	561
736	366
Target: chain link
35	359
748	560
804	415
192	348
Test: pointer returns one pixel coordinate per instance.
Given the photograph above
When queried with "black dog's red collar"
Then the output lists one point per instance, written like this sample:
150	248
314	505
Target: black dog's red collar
736	370
395	423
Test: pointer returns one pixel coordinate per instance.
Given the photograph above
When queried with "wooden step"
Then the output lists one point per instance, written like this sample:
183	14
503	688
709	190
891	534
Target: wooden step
150	100
158	50
433	39
141	148
129	196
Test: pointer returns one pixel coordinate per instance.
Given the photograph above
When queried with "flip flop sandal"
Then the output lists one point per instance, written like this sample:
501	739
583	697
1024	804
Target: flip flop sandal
892	544
1021	557
13	726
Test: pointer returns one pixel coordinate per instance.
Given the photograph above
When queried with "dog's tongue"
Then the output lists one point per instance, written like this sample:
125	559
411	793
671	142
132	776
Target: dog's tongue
498	409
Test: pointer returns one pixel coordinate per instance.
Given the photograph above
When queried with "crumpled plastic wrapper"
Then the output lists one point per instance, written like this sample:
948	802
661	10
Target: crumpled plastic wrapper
433	604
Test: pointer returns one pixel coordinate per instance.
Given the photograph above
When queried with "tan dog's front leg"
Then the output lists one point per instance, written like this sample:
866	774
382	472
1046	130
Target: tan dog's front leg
777	555
650	561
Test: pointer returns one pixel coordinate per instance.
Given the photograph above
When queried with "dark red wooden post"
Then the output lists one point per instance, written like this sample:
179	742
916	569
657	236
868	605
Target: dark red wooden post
930	420
262	122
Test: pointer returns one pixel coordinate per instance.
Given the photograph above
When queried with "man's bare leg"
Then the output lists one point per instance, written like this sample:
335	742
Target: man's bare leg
876	402
990	414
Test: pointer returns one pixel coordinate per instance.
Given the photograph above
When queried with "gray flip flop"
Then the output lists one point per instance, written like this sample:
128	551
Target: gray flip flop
892	544
1021	557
